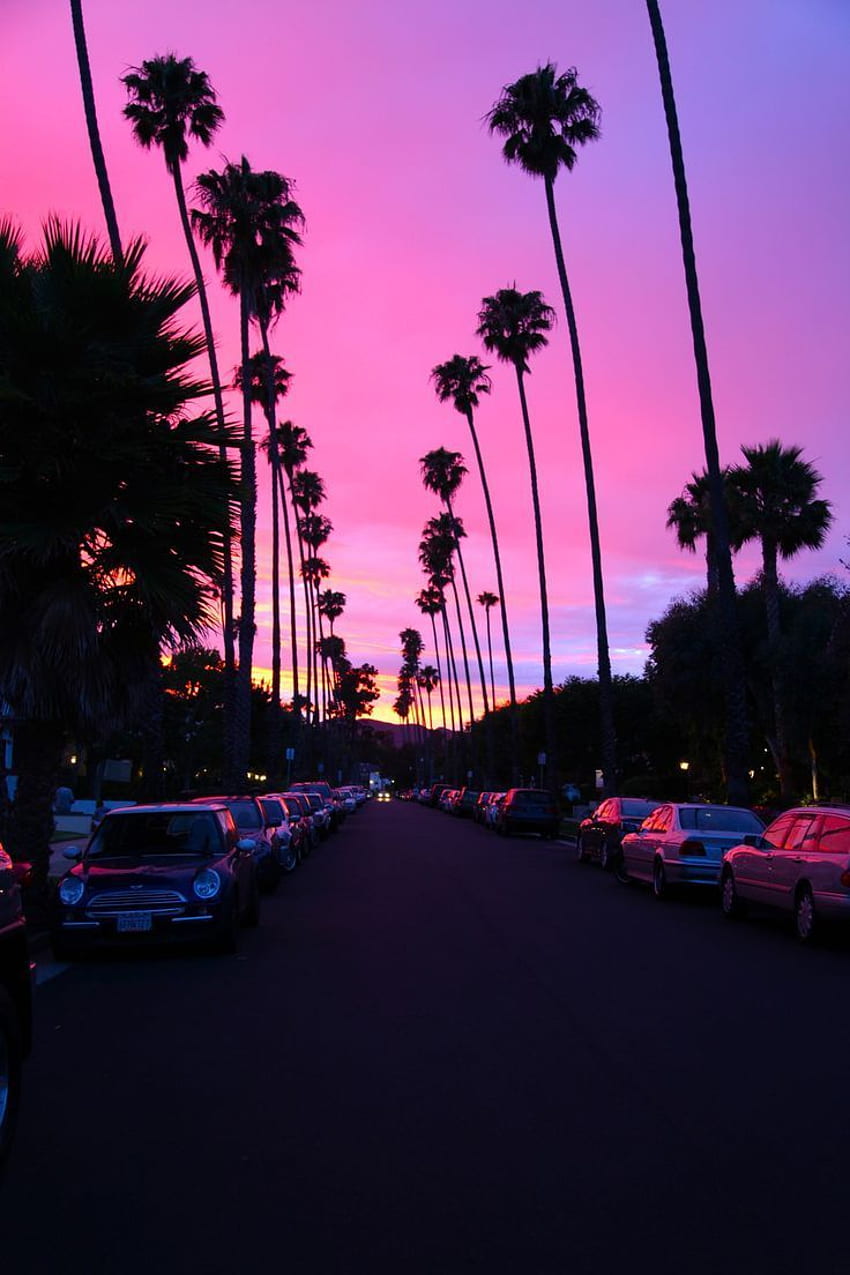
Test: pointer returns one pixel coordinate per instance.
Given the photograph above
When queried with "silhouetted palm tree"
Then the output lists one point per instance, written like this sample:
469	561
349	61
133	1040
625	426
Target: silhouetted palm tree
737	741
293	445
115	501
544	117
443	472
489	600
248	219
777	504
514	325
430	602
93	130
690	516
170	101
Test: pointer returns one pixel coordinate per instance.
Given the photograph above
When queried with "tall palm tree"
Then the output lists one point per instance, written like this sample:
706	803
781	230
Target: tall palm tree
249	221
430	602
544	117
463	379
446	531
488	601
171	101
293	446
443	472
93	130
115	502
736	743
777	504
308	491
331	606
513	325
436	551
315	530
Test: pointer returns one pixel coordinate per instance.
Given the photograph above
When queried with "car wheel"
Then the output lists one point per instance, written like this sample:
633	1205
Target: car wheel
620	870
605	857
290	859
731	905
804	915
660	888
11	1053
581	853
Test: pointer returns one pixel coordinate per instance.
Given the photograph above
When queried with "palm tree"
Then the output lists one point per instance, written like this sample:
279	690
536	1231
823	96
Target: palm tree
514	325
436	550
331	606
293	444
736	744
544	117
690	516
777	504
308	491
115	502
488	601
170	101
315	530
430	602
445	532
463	379
93	130
248	219
443	472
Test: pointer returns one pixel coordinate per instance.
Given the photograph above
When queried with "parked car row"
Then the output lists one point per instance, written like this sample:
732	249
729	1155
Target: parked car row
799	864
519	810
188	870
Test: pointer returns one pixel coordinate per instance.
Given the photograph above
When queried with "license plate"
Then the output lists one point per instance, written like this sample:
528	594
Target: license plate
134	922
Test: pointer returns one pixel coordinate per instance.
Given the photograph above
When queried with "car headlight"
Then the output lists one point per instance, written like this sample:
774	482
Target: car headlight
71	890
207	884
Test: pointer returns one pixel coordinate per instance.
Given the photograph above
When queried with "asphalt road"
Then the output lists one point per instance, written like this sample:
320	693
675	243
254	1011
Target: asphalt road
442	1052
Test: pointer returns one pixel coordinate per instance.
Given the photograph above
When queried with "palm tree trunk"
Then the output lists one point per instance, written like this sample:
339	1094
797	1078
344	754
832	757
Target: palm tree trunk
490	658
227	629
606	695
248	499
464	651
291	568
736	741
94	132
770	580
439	669
548	691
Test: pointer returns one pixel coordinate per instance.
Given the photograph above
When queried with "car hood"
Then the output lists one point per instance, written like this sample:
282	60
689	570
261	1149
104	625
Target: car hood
123	874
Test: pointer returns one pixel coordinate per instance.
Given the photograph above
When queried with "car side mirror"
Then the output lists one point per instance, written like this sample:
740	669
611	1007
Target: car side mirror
72	852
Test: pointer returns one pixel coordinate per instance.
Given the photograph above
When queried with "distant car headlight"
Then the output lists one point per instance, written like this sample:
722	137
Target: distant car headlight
207	884
71	890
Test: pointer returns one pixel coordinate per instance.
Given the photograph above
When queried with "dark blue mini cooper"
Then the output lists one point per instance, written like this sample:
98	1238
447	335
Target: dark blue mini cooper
158	874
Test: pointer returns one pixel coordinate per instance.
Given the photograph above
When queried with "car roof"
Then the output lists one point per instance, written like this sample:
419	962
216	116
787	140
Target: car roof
174	807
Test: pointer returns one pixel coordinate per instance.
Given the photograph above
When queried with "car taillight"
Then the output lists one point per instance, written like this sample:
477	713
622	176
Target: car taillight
692	847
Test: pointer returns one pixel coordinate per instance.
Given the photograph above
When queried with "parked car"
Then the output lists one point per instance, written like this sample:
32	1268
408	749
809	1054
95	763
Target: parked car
682	844
252	821
600	834
15	1001
333	813
528	810
493	810
800	865
159	873
283	843
467	799
298	801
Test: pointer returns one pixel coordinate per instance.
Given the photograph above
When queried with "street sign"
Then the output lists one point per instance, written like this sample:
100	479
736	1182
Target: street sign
541	759
289	754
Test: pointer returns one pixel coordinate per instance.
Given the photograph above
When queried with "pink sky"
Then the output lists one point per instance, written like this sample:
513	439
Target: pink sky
375	111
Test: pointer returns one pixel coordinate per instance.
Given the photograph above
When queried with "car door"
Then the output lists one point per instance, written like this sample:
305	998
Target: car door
753	864
646	840
593	834
793	860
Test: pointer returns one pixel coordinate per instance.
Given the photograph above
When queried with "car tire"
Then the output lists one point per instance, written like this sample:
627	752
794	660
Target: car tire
660	886
731	904
581	853
605	857
620	870
11	1057
805	919
291	858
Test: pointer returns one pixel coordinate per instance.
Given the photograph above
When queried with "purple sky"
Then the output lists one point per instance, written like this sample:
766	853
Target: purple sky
375	111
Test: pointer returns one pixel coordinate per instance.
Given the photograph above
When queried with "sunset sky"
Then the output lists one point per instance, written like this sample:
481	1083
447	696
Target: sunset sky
375	110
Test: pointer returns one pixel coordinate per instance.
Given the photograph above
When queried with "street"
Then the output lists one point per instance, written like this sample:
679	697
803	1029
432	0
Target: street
442	1051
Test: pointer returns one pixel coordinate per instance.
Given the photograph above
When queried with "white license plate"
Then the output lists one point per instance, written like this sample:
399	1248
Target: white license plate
134	922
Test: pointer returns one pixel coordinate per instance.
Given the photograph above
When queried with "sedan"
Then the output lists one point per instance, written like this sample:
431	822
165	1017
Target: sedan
801	865
157	874
682	843
601	833
528	810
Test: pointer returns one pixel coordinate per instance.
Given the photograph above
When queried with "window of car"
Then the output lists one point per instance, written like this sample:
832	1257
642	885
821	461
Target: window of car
155	834
776	833
662	819
834	835
633	808
718	819
273	811
605	813
247	814
802	826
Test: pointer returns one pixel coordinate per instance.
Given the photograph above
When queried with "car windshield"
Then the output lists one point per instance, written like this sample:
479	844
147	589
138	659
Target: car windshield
718	819
155	835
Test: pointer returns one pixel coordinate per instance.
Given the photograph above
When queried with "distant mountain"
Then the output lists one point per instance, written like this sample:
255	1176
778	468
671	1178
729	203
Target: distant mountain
395	733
